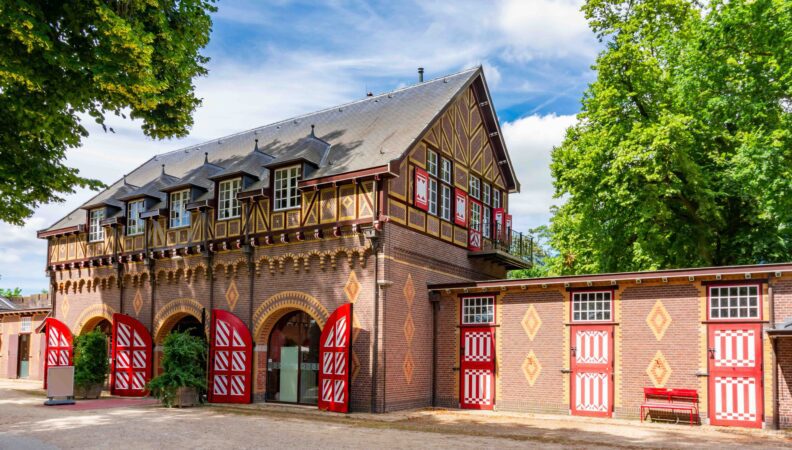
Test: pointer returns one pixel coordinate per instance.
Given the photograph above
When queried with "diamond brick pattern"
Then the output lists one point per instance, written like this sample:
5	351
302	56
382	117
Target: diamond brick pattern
407	367
137	302
352	288
64	306
409	329
232	295
659	370
658	320
409	290
531	368
531	322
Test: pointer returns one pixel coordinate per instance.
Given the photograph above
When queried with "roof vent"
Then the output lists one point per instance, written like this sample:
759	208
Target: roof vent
163	169
206	157
420	74
255	147
312	131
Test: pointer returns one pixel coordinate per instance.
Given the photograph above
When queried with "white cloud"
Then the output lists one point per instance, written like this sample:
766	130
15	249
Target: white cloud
530	141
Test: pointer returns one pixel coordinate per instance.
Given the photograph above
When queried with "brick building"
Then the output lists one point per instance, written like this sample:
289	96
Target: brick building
356	258
21	350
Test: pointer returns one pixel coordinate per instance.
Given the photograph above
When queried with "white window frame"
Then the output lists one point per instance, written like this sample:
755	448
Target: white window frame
478	310
496	198
285	192
445	202
592	306
135	225
475	187
735	302
431	162
25	324
487	194
228	205
432	196
95	229
486	222
446	167
179	216
475	216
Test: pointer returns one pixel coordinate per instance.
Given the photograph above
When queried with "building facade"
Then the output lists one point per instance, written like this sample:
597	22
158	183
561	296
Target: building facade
355	258
21	349
360	204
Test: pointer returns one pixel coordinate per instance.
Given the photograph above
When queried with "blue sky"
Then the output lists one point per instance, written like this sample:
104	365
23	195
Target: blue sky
275	59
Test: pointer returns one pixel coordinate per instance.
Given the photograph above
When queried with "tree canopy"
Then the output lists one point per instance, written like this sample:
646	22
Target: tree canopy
63	61
682	154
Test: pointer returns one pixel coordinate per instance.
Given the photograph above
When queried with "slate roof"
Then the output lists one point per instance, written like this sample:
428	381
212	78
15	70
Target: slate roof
362	134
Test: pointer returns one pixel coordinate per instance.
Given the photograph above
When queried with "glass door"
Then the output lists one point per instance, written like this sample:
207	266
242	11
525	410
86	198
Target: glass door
293	360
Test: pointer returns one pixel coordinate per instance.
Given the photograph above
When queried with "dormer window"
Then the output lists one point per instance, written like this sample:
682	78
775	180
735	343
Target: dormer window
228	205
134	222
285	188
179	216
95	230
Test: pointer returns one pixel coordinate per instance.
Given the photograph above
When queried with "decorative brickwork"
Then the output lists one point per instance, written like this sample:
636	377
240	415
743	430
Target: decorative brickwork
137	303
232	295
409	329
659	370
531	323
531	368
658	320
90	316
352	287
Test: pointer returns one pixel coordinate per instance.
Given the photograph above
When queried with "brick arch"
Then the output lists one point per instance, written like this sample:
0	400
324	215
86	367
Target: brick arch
281	303
91	316
172	312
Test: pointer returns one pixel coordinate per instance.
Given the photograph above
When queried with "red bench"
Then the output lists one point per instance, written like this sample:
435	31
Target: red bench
671	399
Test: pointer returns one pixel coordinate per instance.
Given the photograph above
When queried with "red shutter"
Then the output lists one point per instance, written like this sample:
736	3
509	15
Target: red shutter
334	361
421	189
460	207
132	358
230	359
59	345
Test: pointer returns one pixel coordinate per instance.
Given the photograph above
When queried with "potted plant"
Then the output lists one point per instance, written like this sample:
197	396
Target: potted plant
90	364
184	371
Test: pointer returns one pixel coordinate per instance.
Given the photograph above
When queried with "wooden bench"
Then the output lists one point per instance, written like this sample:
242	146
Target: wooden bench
671	399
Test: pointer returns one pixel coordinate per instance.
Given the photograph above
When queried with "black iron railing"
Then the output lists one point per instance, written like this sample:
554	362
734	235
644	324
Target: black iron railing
514	243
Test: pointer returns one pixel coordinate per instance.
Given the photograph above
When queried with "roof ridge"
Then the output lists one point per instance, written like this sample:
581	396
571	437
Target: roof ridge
312	113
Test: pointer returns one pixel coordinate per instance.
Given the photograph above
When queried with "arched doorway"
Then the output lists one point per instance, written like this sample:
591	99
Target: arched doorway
293	359
176	323
191	325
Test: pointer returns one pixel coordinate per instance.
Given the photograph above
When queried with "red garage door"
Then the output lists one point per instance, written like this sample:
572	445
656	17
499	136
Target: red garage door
477	352
132	360
231	357
334	360
59	345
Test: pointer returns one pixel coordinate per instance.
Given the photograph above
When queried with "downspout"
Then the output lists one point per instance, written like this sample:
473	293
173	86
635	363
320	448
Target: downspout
435	307
774	344
375	344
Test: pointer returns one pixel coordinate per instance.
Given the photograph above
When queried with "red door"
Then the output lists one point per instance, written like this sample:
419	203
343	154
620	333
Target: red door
592	370
477	371
59	346
132	349
334	360
231	357
735	374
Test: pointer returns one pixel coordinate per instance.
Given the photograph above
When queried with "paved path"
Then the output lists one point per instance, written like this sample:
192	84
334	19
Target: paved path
26	424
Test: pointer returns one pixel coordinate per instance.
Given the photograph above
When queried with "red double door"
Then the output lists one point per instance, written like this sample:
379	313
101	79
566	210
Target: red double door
735	374
132	357
591	370
477	368
58	350
230	359
334	347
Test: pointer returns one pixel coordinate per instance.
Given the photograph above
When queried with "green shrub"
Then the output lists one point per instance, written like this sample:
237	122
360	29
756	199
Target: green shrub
90	359
184	365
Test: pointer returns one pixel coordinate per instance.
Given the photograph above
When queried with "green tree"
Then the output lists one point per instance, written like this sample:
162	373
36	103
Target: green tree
11	292
63	61
682	154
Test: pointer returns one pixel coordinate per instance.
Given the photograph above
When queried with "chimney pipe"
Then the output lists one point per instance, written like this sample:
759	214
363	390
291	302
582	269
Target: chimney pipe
420	74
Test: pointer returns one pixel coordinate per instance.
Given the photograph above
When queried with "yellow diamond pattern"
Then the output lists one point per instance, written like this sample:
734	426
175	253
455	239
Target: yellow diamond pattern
531	322
409	290
658	320
137	303
408	367
232	295
659	370
355	366
352	288
531	368
64	305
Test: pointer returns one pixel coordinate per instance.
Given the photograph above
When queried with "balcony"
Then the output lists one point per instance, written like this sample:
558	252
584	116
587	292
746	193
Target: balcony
510	249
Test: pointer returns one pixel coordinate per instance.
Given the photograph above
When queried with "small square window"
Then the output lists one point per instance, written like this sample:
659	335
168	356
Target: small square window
591	306
287	196
478	310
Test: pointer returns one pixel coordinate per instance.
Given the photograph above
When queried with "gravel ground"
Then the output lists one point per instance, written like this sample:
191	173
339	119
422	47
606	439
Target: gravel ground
26	424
